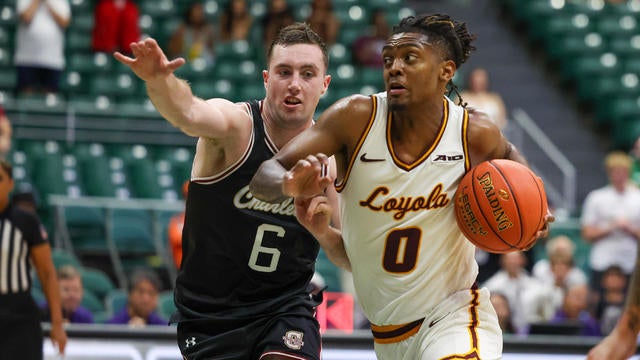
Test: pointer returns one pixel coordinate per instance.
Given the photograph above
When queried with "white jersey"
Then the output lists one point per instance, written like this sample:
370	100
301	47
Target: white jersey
399	230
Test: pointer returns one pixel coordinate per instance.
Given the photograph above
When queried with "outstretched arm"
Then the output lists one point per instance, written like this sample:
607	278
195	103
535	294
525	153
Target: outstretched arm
621	343
173	97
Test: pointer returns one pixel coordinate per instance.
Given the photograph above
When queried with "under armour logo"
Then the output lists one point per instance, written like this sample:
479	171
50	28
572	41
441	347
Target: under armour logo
190	342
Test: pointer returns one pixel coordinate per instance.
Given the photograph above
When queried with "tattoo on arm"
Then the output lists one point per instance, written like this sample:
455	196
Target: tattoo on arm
633	298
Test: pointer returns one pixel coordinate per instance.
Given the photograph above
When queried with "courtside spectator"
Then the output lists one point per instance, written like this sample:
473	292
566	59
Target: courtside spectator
71	292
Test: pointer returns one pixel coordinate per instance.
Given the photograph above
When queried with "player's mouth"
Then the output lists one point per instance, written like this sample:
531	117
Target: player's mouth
292	101
396	88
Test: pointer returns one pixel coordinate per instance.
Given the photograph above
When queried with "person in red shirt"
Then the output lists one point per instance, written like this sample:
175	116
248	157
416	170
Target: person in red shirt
175	230
115	26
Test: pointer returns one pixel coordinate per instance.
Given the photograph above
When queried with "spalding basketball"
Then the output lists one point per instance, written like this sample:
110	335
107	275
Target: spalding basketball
500	205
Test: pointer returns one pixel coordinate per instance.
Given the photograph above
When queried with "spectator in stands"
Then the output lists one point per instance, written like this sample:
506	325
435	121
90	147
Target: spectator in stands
478	95
610	303
6	133
142	301
558	270
71	292
529	298
20	331
611	220
621	343
236	21
367	49
278	16
575	308
176	223
503	310
635	156
39	53
324	21
115	26
195	36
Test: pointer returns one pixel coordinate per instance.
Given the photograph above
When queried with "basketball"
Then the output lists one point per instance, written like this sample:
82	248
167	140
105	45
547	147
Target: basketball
500	205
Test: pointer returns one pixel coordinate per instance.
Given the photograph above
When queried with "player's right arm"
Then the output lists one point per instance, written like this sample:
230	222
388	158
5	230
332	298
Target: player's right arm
173	98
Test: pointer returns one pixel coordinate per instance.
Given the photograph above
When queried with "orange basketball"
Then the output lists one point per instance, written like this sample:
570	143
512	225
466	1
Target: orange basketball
500	205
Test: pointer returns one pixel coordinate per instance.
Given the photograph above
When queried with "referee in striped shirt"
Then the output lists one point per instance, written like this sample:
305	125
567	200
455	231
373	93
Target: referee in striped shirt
21	240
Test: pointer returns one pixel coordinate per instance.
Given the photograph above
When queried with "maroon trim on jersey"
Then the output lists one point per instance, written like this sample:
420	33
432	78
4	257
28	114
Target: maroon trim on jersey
342	183
408	167
465	141
389	334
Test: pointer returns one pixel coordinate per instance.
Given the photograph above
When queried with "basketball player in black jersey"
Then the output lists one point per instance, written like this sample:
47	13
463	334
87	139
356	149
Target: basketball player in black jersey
21	246
243	287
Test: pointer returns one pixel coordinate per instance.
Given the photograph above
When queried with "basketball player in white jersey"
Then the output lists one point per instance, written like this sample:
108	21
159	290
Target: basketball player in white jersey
400	156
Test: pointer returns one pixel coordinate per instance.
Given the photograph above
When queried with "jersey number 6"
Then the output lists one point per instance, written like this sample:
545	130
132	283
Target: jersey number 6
259	249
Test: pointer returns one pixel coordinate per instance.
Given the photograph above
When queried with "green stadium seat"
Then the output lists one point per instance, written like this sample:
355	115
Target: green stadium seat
351	15
116	300
166	306
92	302
92	105
627	47
615	110
98	176
157	8
90	63
237	71
617	25
122	86
73	83
81	7
560	24
77	43
591	65
234	51
82	22
144	179
97	282
252	90
626	132
7	79
8	16
61	257
221	88
132	231
340	54
329	272
572	45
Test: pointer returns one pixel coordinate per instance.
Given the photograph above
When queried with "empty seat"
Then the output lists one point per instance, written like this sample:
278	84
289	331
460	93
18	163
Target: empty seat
62	257
97	282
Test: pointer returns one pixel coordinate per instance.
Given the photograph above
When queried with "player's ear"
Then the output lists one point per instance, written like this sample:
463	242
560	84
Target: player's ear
447	70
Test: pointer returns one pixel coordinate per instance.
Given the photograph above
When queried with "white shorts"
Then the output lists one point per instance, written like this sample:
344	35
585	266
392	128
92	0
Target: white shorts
463	326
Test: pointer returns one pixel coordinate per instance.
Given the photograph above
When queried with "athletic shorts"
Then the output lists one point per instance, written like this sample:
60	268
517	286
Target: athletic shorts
293	334
20	331
463	326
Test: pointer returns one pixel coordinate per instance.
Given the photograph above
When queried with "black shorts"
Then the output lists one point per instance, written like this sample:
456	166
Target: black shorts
20	331
295	334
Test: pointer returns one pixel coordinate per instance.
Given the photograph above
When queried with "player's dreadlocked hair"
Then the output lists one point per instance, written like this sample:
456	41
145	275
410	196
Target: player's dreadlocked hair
450	35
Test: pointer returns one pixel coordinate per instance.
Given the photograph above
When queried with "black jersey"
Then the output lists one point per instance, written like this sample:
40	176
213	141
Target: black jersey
19	231
241	256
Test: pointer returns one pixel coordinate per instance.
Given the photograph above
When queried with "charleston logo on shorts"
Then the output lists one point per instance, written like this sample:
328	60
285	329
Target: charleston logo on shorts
293	339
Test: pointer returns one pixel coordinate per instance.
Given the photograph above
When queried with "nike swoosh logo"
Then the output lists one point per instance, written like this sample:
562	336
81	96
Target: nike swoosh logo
364	158
432	323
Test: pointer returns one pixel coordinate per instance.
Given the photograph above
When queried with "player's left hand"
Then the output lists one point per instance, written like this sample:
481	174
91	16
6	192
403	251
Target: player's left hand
544	231
314	213
309	177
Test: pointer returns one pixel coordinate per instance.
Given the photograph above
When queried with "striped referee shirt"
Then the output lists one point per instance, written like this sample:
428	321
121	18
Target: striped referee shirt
19	231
